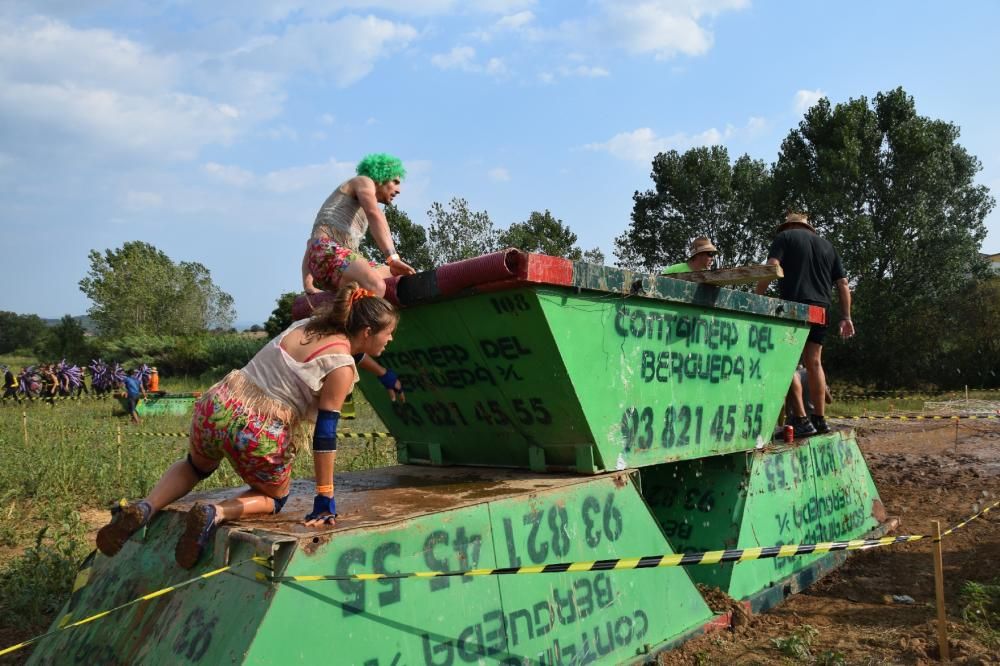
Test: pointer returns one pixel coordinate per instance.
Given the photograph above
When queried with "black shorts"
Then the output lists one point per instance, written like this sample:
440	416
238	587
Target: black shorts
817	333
133	402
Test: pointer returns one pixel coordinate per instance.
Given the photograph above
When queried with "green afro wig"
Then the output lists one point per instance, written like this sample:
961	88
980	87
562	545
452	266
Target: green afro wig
381	167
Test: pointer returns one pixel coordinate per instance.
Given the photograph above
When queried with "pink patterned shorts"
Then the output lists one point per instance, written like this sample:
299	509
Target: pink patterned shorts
258	447
328	260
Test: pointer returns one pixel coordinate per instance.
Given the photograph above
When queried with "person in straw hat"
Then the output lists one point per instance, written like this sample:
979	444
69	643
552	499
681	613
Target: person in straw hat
701	255
811	266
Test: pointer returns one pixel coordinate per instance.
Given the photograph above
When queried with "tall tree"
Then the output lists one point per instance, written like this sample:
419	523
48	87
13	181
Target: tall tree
137	289
545	234
410	240
281	316
699	193
895	193
19	331
67	339
458	233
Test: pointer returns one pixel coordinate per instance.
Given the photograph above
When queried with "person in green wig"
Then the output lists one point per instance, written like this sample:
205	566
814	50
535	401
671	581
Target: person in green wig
332	254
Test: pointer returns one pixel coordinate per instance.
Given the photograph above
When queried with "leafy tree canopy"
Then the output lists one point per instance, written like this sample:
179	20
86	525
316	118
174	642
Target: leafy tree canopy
137	289
65	340
894	192
545	234
458	233
409	238
19	331
281	316
696	194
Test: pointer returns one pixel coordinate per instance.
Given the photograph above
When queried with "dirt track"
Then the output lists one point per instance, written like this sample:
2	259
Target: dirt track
922	477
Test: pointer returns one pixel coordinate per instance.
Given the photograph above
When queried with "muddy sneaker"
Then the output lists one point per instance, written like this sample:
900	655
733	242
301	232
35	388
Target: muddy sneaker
803	428
819	422
197	530
125	522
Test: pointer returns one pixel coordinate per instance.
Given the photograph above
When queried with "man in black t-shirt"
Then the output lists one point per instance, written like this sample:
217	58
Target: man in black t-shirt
811	267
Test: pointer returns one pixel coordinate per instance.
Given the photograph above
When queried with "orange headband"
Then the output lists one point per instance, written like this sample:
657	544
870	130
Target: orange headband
359	294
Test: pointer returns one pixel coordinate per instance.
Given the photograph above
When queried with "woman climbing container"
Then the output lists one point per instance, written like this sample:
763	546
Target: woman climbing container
251	415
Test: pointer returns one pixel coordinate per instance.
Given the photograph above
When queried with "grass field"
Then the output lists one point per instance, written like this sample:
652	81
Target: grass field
65	463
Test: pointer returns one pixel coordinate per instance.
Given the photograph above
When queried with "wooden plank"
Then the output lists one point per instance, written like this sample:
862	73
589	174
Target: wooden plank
738	275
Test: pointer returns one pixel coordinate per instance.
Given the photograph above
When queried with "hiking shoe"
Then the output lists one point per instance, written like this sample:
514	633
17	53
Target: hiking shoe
125	522
803	428
819	422
197	531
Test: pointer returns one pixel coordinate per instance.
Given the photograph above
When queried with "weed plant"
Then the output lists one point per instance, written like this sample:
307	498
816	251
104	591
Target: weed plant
981	610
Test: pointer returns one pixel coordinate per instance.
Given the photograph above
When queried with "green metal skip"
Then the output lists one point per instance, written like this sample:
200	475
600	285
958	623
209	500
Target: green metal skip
556	412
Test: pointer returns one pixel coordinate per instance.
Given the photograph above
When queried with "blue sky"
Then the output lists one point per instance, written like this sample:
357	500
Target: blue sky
214	130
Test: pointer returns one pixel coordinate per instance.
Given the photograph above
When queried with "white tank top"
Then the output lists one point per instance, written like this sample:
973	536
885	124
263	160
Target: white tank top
294	383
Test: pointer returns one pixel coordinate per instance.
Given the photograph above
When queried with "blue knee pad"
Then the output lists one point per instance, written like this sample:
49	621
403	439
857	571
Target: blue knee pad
325	434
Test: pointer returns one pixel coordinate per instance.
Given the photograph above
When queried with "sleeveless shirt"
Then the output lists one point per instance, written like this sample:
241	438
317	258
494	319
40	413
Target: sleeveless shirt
294	383
341	219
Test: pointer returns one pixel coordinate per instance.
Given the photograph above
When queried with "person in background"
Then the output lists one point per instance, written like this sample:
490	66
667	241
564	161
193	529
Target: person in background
332	253
701	256
10	384
811	266
251	416
133	391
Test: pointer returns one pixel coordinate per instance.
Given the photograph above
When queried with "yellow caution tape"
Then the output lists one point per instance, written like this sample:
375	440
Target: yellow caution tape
647	562
617	564
624	563
138	600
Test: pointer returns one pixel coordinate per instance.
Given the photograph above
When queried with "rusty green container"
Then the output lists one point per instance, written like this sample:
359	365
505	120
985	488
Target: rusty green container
398	519
813	491
588	369
555	412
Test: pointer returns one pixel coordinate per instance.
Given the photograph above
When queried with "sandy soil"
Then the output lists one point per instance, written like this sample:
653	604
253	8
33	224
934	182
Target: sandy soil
922	476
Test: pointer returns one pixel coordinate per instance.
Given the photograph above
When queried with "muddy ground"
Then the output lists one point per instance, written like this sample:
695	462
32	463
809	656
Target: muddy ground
922	476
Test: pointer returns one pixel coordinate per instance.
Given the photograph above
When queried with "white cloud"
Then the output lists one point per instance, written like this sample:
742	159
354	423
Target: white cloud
642	144
515	21
574	71
804	99
344	50
662	28
327	119
522	25
228	174
496	67
499	175
330	174
464	58
103	94
460	57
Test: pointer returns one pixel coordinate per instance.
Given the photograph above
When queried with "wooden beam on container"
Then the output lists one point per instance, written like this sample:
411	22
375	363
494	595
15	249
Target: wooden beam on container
738	275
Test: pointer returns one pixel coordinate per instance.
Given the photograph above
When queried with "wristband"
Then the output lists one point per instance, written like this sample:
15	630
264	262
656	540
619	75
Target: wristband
392	257
389	380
